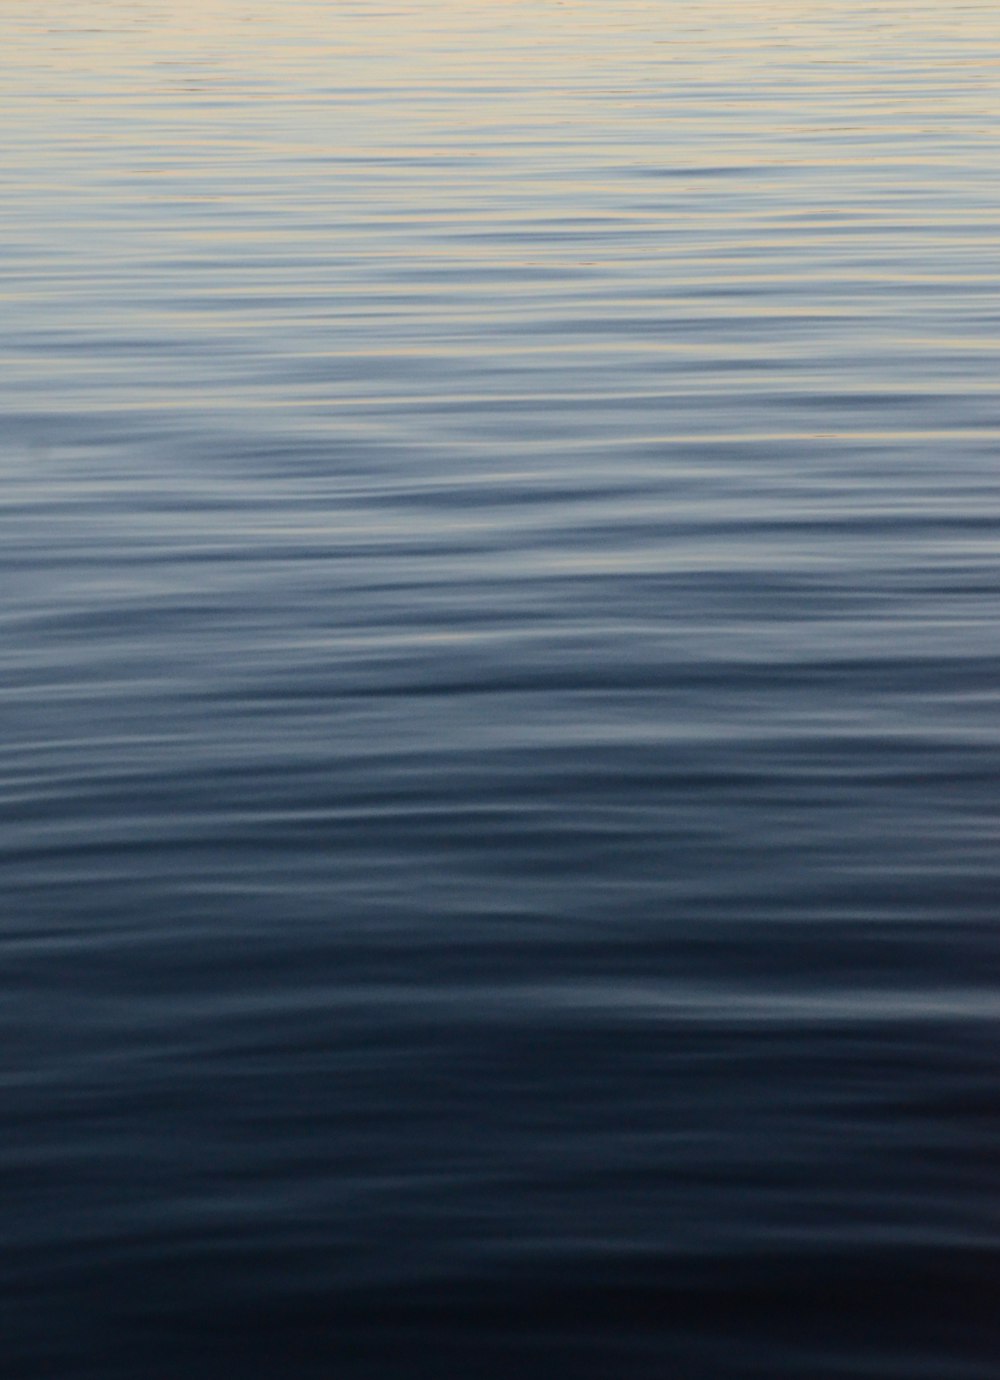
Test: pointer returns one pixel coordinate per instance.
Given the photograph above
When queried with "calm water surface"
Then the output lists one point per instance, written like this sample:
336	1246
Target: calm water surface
500	700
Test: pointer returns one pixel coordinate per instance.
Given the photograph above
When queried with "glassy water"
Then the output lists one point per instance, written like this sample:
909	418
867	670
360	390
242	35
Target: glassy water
500	650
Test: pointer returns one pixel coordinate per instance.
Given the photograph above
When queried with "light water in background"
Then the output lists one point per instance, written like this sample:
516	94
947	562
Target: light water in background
499	655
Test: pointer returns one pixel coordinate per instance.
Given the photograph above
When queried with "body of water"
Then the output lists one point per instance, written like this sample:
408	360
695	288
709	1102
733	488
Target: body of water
500	689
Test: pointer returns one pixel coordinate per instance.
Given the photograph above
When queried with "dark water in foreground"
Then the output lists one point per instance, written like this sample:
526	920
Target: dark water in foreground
500	647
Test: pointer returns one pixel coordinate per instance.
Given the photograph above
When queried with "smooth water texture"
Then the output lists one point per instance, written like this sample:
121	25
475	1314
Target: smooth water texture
500	703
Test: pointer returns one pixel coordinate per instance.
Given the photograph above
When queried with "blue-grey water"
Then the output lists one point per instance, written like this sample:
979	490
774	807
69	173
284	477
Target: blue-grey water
499	689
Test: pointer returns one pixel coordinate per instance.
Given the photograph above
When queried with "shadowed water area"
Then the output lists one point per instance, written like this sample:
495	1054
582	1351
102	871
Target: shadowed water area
499	655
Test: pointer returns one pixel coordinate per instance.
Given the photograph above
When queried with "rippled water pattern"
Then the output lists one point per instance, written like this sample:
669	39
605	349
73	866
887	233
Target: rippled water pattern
500	649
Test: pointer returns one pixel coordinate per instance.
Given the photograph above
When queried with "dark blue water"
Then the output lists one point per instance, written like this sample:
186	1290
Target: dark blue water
499	688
